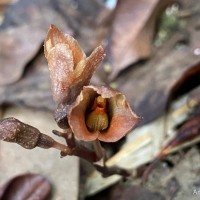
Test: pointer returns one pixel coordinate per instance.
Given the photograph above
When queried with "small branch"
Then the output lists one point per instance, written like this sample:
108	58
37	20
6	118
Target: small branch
99	150
76	147
68	136
109	171
86	153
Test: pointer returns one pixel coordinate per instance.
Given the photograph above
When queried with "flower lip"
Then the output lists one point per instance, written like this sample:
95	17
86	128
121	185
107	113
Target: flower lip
120	118
97	117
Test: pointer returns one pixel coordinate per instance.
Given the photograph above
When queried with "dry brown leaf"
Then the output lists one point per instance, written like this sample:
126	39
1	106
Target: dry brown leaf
89	30
149	86
132	32
129	192
27	186
18	46
33	90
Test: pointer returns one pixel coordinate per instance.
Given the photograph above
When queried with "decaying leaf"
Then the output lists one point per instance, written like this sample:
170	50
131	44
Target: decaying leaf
101	113
188	131
17	49
33	90
27	186
188	80
128	192
132	32
89	30
157	78
69	68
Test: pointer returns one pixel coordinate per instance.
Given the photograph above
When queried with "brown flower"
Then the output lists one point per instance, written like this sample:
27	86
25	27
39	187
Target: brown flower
101	113
69	68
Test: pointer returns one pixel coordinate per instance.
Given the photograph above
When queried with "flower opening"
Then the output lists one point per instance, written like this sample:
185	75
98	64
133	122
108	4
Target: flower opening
101	113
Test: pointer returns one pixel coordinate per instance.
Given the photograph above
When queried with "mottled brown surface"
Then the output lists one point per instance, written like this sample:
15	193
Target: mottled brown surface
27	186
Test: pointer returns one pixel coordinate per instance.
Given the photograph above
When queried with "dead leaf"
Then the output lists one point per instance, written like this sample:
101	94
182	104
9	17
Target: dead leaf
189	79
17	49
132	32
129	192
33	90
148	86
89	30
189	130
27	186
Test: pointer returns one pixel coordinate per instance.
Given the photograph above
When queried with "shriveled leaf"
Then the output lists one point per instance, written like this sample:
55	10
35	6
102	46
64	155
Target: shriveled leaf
132	32
27	186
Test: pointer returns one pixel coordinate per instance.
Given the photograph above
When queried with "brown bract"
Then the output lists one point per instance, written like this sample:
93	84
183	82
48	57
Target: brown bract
13	130
121	119
69	68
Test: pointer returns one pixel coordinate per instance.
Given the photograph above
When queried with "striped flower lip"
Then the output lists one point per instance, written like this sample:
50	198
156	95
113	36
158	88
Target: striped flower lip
101	113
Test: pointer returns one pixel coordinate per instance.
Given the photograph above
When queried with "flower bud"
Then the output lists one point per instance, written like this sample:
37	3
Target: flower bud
12	130
69	67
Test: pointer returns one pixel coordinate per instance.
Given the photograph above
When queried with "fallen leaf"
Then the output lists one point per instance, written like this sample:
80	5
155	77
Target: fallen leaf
33	90
89	30
188	131
129	192
148	86
27	186
132	32
189	79
17	49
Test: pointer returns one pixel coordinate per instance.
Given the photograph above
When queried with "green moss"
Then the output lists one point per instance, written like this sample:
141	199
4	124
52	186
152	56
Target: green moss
167	23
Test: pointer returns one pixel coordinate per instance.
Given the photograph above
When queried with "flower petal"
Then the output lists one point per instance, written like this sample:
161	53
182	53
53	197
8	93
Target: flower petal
122	118
92	62
55	36
77	116
60	62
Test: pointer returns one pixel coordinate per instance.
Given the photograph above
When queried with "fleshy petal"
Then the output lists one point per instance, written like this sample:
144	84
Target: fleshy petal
122	118
77	116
